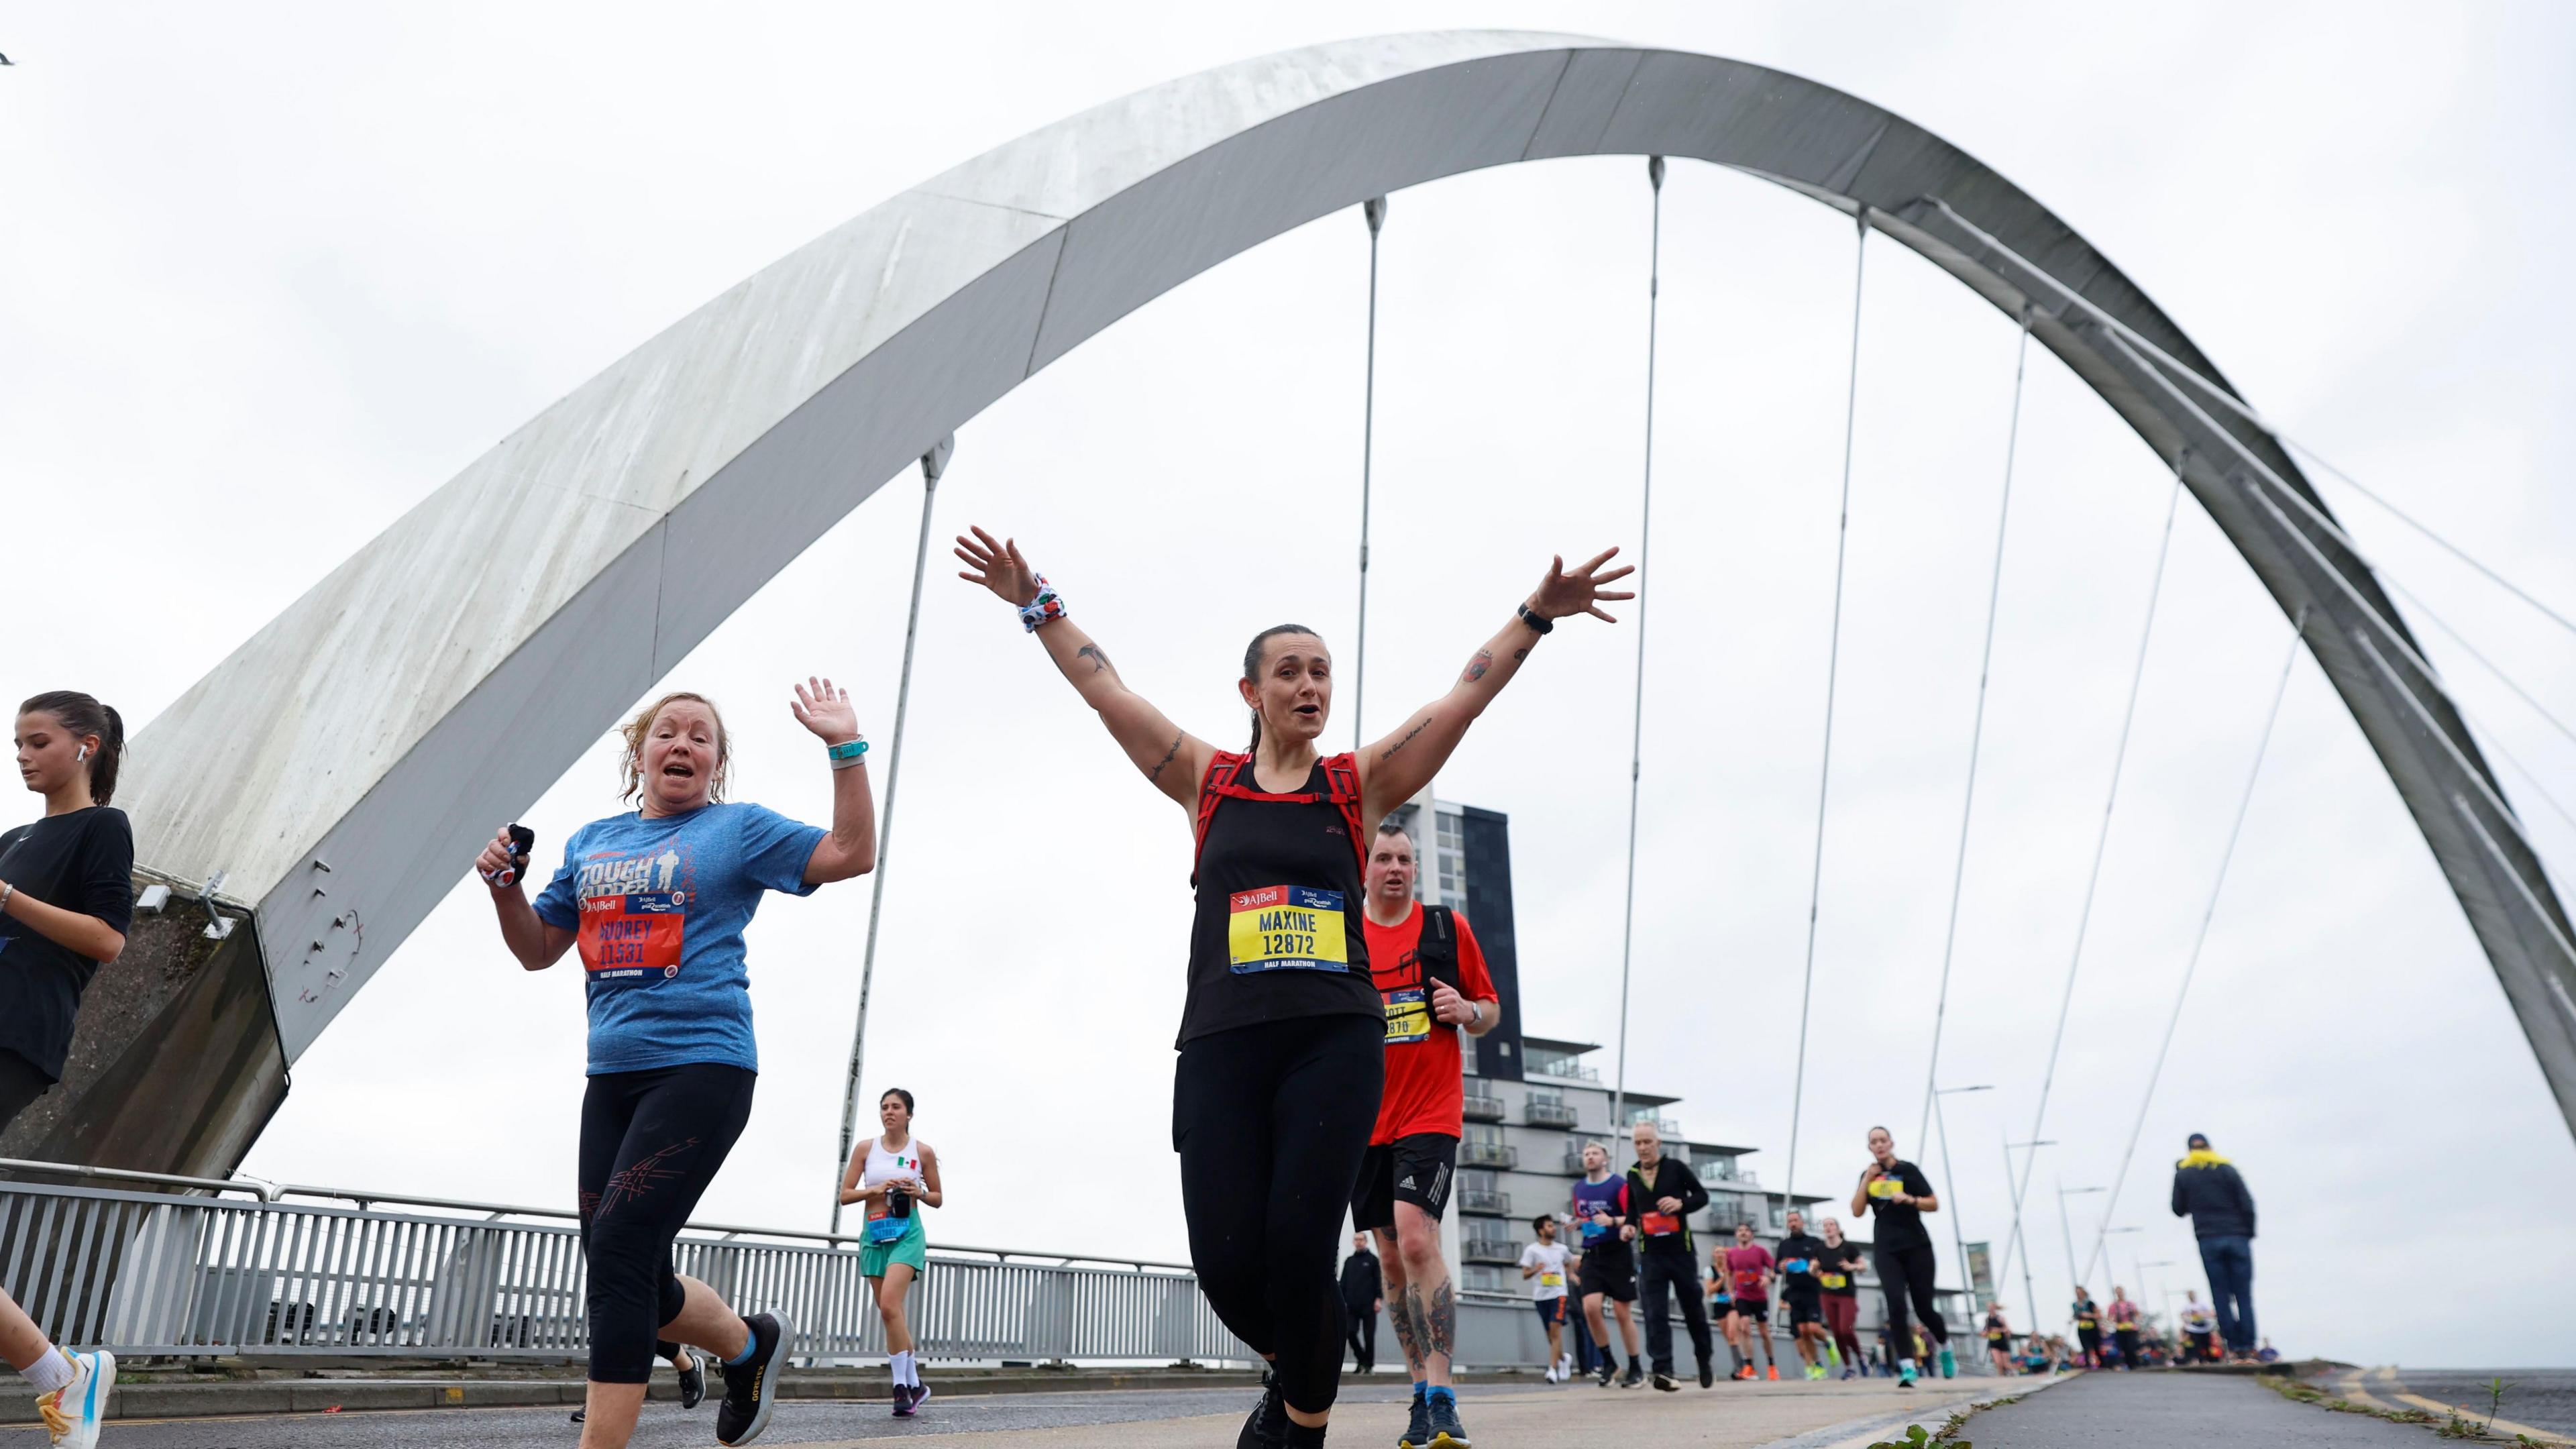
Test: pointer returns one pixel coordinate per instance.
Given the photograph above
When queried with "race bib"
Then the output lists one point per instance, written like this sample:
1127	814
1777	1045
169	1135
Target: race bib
888	1229
634	937
1748	1283
1659	1225
1835	1281
1408	1016
1287	928
1794	1265
1551	1279
1885	1188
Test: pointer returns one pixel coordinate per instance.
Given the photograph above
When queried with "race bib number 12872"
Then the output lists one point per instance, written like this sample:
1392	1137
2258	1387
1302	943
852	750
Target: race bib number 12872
1285	928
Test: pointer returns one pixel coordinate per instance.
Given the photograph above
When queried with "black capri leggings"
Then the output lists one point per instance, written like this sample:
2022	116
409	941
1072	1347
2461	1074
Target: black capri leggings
1904	1273
650	1144
1271	1121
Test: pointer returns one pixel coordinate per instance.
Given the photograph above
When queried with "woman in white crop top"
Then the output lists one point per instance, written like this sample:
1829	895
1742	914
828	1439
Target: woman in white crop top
895	1174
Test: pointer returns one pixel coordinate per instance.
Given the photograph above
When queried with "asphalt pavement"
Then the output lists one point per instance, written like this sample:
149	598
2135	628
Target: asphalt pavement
1730	1416
2175	1410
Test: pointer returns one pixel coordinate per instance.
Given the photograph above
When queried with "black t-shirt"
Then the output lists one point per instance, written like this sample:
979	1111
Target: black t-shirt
79	861
1800	1247
1900	1225
1844	1263
1277	933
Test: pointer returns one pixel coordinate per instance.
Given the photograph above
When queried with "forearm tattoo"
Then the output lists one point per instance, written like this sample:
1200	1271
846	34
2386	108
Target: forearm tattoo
1521	653
1442	1328
1156	773
1389	752
1477	666
1098	656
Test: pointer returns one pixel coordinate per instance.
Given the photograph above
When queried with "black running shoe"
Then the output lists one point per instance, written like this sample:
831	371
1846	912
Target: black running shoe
751	1387
1633	1377
1268	1424
1664	1383
1607	1372
1446	1432
693	1382
1417	1428
578	1416
1707	1375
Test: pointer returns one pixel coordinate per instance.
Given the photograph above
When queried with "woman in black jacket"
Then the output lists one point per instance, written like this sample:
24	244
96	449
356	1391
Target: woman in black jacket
66	887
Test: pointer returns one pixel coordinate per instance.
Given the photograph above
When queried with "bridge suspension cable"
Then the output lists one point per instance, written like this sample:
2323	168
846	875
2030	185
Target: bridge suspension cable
1637	707
1976	737
1374	210
933	463
2200	939
2101	844
1833	663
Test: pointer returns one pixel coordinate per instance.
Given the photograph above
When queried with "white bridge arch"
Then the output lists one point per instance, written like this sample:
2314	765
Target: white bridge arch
344	760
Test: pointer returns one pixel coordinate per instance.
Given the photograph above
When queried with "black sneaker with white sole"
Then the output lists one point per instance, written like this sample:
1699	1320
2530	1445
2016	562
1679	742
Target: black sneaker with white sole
751	1387
1267	1425
693	1383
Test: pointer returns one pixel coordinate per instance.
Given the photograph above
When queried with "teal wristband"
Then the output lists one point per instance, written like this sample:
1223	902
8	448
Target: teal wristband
847	750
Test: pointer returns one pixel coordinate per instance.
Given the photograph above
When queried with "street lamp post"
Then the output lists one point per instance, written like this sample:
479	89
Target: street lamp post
1958	1229
2029	1292
2063	1193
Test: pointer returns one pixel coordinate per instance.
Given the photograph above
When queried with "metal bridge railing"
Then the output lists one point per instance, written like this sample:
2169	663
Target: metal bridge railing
159	1274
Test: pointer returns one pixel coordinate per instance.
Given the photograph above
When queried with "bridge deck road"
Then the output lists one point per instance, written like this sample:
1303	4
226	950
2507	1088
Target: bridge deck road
2201	1411
1730	1416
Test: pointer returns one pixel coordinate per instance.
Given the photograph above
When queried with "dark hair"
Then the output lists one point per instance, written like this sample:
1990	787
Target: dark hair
83	715
1252	653
896	1092
1541	1221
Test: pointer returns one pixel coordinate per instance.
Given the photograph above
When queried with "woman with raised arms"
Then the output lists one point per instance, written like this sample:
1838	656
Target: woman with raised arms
1282	1031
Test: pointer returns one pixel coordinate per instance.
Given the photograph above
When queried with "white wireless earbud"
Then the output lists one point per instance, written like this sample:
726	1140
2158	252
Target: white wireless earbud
82	755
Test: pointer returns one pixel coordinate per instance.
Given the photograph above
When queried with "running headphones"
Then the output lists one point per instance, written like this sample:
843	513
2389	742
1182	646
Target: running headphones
82	755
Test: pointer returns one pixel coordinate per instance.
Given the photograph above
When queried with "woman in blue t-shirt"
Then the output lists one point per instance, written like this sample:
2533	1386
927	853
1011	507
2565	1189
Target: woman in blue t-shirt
657	901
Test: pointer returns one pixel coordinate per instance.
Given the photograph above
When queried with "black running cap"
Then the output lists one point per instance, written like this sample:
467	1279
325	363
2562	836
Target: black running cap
2198	1141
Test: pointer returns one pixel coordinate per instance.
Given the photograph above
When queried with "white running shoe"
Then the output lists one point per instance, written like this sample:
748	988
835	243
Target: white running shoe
1564	1367
74	1412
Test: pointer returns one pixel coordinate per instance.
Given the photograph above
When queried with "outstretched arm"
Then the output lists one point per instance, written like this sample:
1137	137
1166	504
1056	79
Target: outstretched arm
1171	761
1396	768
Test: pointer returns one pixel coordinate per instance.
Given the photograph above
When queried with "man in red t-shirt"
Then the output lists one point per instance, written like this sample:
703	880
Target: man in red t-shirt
1431	976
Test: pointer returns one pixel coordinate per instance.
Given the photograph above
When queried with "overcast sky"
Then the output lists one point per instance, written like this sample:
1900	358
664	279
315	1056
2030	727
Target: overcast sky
269	275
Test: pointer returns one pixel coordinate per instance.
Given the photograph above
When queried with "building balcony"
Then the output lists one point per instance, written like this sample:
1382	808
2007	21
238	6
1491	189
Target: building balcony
1500	1251
1571	1071
1481	1108
1485	1200
1573	1162
1488	1154
1544	1113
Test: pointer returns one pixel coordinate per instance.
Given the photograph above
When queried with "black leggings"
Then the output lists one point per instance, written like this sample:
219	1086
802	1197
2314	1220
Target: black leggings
20	1085
650	1144
1905	1272
1270	1121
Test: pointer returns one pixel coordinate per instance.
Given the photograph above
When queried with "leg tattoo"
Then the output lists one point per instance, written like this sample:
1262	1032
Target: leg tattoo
1441	1330
1408	1327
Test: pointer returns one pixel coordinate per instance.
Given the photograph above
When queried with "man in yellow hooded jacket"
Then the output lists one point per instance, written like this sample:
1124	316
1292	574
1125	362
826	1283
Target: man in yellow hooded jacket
2208	1190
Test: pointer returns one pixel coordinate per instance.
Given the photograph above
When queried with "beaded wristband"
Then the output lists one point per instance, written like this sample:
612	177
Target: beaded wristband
1045	609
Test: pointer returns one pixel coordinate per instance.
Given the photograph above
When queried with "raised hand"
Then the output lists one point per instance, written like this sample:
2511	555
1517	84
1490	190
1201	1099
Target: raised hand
825	710
1579	591
997	565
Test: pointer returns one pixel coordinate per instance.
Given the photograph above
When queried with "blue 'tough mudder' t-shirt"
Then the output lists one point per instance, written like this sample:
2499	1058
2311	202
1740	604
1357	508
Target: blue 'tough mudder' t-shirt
660	906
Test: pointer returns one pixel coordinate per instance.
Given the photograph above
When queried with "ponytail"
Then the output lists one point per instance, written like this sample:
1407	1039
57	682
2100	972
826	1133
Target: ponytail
80	714
1252	669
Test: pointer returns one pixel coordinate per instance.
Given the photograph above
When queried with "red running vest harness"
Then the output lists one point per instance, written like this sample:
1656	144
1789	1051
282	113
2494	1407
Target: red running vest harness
1228	770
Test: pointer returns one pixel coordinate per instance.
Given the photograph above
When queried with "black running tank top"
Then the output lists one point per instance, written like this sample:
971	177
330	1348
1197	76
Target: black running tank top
1277	932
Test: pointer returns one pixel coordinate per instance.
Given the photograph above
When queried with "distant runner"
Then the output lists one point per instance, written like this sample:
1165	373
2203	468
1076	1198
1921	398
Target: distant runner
1721	1309
2124	1326
1609	1264
1544	1263
1839	1277
1998	1339
2088	1329
1665	1193
1748	1266
1802	1291
2199	1329
1900	1194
